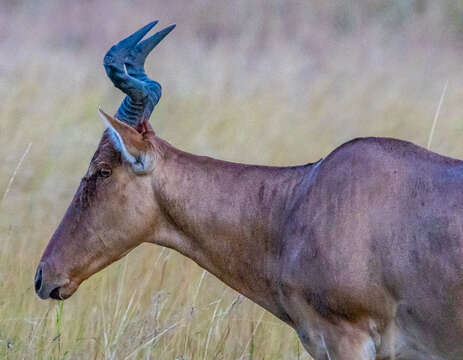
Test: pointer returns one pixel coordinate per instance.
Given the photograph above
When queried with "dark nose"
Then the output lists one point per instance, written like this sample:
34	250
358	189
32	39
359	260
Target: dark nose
45	282
38	279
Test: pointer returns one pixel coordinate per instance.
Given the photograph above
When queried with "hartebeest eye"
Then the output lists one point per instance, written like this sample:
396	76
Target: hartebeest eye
104	172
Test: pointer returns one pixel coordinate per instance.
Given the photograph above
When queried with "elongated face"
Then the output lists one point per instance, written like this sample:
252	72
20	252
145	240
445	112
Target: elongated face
112	212
114	208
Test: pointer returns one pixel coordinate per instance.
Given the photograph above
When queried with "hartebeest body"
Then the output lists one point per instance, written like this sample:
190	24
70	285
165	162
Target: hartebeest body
361	252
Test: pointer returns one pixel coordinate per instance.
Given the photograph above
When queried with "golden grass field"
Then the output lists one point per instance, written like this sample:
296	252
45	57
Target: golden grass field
266	82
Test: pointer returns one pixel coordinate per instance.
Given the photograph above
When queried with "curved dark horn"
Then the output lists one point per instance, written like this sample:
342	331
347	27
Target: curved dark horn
124	64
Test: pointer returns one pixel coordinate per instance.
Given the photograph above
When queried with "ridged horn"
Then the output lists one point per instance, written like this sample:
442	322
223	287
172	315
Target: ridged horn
125	66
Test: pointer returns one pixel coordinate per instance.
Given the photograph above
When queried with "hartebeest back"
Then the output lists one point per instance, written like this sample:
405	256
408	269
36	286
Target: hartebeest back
361	253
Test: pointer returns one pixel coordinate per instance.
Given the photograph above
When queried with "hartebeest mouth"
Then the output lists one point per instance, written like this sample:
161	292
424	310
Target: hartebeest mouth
361	253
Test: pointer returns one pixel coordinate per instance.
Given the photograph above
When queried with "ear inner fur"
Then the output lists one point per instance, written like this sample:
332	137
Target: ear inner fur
132	138
128	141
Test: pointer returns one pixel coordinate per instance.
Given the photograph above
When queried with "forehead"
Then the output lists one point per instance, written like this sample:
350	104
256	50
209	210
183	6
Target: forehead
106	153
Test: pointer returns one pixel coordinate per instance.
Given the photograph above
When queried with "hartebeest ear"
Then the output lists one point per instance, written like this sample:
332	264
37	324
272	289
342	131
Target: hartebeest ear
132	145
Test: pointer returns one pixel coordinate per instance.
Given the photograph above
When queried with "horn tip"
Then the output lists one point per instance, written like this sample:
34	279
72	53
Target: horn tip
152	24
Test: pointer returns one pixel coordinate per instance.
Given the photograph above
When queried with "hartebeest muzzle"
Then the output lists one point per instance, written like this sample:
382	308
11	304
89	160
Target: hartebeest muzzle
47	285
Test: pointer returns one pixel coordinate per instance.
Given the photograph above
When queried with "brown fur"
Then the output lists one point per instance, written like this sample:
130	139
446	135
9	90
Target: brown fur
361	252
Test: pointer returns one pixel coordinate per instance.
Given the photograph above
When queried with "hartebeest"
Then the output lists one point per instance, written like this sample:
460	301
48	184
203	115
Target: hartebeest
361	252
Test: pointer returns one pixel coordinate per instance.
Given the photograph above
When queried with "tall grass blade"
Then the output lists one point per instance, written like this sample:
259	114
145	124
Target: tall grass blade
436	115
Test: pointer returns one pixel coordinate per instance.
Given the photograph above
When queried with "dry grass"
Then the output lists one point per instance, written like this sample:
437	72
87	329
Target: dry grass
264	82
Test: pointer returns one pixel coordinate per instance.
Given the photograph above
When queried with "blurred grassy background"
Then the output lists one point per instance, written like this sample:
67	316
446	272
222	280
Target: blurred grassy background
263	81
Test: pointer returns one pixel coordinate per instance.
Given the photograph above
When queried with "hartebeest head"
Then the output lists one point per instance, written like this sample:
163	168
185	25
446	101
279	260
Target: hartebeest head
106	218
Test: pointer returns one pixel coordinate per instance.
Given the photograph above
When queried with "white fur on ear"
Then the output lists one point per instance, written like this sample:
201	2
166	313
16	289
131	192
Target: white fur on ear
117	140
141	164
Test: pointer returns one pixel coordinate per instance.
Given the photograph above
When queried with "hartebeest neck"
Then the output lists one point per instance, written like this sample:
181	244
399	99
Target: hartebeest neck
228	218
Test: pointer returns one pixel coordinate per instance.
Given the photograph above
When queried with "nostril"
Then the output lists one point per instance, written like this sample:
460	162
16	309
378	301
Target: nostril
38	280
